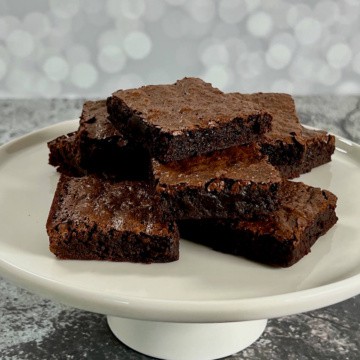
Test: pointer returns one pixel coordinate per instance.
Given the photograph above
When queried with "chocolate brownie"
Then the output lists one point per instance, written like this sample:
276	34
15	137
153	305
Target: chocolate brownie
290	147
97	147
94	124
305	213
98	219
319	147
65	155
185	119
233	182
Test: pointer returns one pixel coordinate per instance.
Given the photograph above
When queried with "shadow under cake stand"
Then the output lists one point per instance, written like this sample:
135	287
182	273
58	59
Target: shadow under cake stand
207	305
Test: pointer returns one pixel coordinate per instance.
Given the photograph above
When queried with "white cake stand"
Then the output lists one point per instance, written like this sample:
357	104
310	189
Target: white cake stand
206	305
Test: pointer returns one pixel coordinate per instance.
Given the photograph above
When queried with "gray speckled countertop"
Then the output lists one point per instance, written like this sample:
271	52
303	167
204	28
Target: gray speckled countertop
32	327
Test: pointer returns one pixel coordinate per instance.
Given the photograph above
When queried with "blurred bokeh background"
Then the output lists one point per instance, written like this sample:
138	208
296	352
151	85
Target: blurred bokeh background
72	48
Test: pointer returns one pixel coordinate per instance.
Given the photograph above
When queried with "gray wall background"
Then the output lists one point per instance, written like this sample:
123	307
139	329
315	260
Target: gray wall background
78	48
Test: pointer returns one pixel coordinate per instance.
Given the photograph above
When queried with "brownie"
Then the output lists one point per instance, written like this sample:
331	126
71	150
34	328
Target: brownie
291	148
95	125
319	147
283	238
98	219
185	119
65	155
233	183
97	147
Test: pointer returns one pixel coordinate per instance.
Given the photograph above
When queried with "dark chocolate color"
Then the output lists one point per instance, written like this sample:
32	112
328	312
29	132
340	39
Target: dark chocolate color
233	182
293	149
94	124
319	147
97	147
98	219
283	238
185	119
65	154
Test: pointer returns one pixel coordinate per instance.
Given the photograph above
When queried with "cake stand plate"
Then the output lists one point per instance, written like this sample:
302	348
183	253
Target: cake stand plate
186	341
206	305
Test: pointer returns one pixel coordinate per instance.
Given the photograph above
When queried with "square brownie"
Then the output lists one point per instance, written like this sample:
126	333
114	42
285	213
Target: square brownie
99	219
229	183
97	147
281	239
185	119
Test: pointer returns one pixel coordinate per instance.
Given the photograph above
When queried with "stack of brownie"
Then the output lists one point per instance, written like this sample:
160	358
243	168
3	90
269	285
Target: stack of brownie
162	161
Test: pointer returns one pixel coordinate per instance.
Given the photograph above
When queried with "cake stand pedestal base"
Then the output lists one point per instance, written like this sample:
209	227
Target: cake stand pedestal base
186	341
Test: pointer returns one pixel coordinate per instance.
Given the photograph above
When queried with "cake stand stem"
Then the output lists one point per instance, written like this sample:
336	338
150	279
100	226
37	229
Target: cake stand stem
186	341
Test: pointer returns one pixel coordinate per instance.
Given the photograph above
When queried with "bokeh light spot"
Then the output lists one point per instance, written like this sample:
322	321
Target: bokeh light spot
278	56
20	43
84	75
308	31
137	45
111	59
339	55
56	68
259	24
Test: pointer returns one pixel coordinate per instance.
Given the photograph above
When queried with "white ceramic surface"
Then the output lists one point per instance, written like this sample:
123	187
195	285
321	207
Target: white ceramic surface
184	341
203	286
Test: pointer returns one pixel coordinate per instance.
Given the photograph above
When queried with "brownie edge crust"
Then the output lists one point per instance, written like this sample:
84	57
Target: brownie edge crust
232	183
305	213
96	219
185	119
97	148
